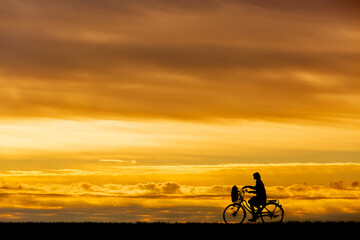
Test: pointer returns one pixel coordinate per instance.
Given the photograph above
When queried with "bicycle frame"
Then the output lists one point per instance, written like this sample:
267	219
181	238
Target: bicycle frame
243	202
245	205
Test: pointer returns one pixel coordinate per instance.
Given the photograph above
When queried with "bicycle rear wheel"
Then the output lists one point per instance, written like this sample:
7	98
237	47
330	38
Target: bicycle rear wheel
272	213
234	213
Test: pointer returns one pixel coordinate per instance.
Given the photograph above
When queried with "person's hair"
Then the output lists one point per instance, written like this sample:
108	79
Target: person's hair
257	175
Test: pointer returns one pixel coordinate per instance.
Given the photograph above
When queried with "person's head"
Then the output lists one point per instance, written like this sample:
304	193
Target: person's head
256	176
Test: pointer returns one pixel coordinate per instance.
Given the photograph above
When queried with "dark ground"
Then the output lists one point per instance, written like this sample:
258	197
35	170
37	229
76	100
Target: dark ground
288	230
193	230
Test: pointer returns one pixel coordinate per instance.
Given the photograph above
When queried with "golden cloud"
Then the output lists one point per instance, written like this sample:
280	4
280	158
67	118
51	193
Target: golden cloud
242	59
161	200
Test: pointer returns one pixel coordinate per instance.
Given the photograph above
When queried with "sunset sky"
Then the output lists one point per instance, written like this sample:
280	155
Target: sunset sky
151	110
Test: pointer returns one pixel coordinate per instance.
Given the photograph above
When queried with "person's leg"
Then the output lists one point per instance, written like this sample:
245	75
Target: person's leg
252	203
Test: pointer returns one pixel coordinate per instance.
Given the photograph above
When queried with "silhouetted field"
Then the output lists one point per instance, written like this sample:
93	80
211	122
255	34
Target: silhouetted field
176	230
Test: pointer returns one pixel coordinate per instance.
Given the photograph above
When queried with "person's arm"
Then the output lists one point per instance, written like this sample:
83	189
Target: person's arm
248	186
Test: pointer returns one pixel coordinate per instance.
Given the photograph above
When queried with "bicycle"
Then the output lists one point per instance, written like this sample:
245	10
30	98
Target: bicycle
271	212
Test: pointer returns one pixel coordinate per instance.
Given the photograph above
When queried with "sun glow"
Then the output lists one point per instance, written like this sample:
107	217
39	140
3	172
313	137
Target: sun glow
132	141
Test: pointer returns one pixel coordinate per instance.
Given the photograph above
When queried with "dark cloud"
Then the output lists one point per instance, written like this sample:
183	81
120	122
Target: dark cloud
179	59
159	188
337	7
355	184
341	185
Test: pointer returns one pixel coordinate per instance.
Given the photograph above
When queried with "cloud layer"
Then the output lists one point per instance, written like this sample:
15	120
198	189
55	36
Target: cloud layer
180	59
167	201
196	193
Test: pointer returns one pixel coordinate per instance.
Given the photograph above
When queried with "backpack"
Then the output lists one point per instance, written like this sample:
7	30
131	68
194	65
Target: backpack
234	193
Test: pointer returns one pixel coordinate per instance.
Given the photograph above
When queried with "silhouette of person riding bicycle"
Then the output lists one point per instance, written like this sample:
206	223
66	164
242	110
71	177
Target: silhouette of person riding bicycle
268	211
259	199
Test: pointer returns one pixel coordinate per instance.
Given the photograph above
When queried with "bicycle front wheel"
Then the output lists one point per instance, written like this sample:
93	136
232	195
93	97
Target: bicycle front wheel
272	213
234	213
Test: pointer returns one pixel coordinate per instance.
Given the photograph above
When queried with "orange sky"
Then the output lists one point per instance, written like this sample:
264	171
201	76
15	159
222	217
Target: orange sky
99	88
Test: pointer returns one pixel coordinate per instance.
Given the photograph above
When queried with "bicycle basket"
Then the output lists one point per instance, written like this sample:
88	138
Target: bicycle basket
234	193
